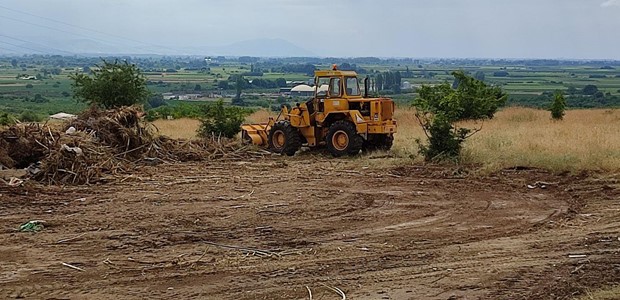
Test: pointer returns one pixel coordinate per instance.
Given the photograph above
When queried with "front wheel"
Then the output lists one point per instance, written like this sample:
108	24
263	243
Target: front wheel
284	138
342	138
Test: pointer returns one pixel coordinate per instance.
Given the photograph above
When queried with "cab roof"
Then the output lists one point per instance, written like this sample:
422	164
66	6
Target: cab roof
329	73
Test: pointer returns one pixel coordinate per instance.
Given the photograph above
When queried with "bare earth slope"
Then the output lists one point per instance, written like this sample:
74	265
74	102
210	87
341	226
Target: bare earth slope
277	228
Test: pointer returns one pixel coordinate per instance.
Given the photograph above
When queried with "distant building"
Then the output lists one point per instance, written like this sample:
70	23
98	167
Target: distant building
302	90
285	91
171	96
406	85
189	96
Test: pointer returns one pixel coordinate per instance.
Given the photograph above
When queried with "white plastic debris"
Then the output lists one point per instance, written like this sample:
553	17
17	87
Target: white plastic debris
76	150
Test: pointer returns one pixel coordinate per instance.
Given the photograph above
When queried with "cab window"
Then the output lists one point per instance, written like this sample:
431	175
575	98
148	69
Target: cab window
322	85
334	87
352	86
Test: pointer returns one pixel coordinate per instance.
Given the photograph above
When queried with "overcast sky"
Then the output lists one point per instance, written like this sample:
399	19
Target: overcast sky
385	28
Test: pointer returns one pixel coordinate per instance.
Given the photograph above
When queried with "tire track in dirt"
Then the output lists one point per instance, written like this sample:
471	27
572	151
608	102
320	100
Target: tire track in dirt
376	232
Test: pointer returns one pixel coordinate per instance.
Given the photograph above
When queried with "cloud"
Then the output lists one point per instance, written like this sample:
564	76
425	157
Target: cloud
609	3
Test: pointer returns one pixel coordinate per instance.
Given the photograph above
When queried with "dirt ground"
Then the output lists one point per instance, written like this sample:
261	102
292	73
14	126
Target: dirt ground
282	228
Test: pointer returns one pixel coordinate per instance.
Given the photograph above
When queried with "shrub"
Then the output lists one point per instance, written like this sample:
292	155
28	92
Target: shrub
111	85
440	107
220	120
156	101
6	119
38	98
589	89
558	106
29	116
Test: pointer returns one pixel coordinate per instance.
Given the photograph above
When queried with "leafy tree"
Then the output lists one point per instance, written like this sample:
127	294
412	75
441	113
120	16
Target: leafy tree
197	87
388	78
379	82
599	95
223	85
501	74
558	106
281	82
38	98
111	85
440	107
240	84
589	89
220	120
14	63
397	79
156	101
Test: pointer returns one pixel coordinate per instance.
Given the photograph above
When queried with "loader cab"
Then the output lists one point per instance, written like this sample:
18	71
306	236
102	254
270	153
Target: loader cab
337	87
334	88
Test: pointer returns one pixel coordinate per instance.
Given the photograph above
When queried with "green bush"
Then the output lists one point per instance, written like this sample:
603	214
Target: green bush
558	106
220	120
112	85
29	116
6	119
440	107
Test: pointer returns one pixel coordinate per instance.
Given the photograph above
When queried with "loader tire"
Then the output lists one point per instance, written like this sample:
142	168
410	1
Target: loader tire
284	138
377	142
342	138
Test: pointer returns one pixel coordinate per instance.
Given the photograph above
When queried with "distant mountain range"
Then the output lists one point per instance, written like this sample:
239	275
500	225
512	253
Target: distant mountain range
256	47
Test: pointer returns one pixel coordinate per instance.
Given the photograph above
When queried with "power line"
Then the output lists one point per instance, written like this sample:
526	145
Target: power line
84	28
17	39
56	29
18	46
10	50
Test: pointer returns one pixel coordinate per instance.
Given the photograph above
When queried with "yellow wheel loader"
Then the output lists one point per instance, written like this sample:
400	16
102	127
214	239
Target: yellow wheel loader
340	117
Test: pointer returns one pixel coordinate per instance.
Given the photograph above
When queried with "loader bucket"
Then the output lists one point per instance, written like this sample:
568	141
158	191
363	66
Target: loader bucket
255	133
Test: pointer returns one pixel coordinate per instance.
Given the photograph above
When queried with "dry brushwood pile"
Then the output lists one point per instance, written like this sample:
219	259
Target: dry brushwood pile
102	143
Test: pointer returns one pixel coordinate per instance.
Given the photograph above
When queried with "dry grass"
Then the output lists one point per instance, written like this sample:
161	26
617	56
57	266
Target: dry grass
603	294
584	140
260	116
179	128
186	128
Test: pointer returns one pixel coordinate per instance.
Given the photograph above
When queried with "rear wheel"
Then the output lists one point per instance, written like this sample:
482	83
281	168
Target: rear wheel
342	138
284	138
378	142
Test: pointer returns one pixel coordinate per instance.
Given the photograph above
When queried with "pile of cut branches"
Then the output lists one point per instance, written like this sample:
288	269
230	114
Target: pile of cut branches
102	143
